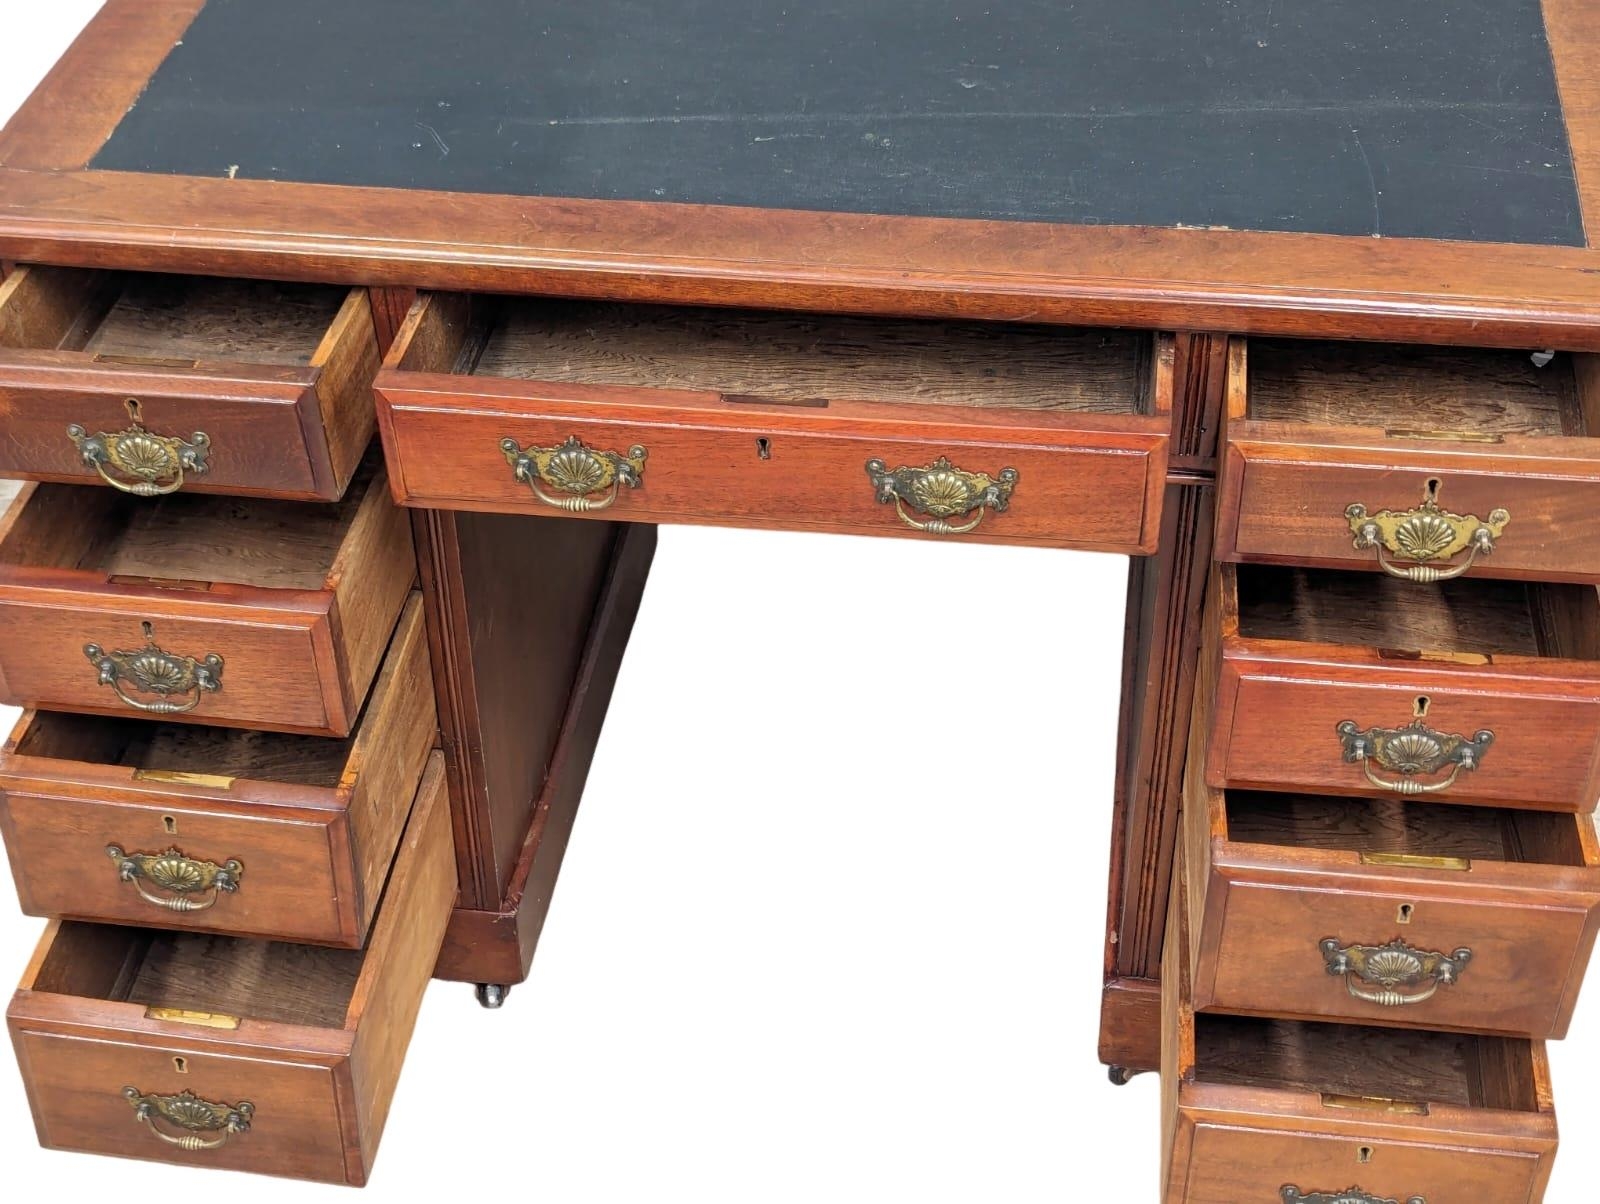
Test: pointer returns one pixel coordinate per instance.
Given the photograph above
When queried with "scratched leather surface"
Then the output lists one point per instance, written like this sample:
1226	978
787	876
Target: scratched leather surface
1402	118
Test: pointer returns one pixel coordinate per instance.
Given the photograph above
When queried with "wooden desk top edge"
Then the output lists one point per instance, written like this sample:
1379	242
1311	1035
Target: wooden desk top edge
54	210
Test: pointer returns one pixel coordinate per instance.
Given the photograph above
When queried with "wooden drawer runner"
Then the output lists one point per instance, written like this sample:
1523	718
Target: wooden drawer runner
299	1048
1289	1111
1387	910
1355	683
302	828
1413	435
295	600
656	414
161	383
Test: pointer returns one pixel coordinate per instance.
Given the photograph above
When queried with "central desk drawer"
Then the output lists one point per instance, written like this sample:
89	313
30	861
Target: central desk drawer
238	612
1017	434
1477	691
233	1054
1412	460
218	829
156	384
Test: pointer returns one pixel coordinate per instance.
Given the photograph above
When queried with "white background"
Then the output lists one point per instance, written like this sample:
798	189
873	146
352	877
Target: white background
832	920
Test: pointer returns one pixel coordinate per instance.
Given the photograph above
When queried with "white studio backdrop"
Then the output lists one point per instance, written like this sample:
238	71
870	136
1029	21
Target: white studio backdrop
831	925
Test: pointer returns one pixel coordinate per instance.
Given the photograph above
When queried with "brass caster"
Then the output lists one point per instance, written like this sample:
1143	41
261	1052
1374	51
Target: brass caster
492	995
1121	1076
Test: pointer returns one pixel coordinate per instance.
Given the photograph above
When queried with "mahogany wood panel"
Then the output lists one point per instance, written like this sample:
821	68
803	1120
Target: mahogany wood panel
1288	478
1253	1106
506	636
314	822
288	419
1087	480
321	1084
298	599
496	944
1280	701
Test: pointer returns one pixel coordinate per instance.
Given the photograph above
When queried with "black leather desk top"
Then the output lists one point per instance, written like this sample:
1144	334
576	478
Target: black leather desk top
1402	118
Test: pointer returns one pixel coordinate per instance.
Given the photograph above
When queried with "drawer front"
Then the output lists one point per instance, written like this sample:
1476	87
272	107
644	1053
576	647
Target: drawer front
77	1084
277	667
1241	1162
1520	976
1287	504
246	437
1279	727
786	467
290	874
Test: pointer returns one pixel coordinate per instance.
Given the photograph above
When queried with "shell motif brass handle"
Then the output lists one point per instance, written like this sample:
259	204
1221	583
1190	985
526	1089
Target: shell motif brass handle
575	472
178	682
192	885
202	1125
145	464
1388	975
1350	1195
1418	537
1413	751
941	492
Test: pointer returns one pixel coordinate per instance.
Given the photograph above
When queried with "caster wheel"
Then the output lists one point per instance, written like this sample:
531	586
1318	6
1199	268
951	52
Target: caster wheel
492	995
1120	1076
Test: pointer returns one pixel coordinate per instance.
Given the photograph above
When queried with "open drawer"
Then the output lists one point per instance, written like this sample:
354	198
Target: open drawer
1473	690
1295	1112
1022	434
236	1054
1419	461
242	612
1387	910
156	383
218	829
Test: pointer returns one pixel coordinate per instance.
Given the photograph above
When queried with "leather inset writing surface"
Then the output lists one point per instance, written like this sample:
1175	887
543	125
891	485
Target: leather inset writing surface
1400	118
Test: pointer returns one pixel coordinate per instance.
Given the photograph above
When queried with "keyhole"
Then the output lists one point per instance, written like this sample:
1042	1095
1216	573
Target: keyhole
170	823
181	1065
149	630
1406	910
1420	711
132	405
1433	489
763	449
1364	1155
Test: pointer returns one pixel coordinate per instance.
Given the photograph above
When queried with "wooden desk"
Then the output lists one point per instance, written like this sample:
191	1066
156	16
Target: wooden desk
1212	180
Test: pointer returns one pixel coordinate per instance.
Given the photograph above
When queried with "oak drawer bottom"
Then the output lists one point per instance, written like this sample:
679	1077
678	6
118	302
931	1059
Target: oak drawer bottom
231	1053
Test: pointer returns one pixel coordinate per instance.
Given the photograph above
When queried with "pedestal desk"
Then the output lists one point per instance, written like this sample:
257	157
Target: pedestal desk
315	313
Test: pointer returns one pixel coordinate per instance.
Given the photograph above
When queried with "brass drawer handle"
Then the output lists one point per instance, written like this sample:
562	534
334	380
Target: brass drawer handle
575	472
941	492
192	885
1423	534
1350	1195
146	464
1412	751
206	1126
1381	974
178	682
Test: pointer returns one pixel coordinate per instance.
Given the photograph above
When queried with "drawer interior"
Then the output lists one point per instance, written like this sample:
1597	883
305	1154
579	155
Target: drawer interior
270	981
1471	392
173	321
192	539
807	359
207	753
1344	1062
1476	615
1398	828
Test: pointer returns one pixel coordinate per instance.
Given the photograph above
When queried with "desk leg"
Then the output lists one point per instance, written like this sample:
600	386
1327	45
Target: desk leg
524	661
1165	596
